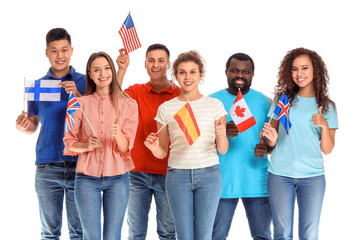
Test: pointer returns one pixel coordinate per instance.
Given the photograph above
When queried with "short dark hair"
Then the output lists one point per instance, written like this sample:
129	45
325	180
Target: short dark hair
157	46
240	57
57	34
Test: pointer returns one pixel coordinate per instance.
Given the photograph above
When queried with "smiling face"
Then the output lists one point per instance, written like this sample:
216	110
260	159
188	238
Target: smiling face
303	73
157	64
188	75
100	72
59	54
239	75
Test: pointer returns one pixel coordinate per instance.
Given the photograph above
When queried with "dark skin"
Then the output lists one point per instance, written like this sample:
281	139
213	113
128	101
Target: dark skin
239	75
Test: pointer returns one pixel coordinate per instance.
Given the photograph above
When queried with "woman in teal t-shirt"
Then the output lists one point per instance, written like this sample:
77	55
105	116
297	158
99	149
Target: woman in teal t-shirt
296	167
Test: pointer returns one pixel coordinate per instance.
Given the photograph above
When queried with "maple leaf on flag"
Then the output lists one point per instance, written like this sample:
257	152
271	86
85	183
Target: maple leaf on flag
239	111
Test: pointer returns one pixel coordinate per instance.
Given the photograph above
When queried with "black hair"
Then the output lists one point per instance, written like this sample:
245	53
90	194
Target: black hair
241	57
157	46
57	34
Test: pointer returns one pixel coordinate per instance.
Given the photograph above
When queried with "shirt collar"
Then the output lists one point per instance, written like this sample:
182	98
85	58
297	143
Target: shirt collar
98	97
170	89
70	74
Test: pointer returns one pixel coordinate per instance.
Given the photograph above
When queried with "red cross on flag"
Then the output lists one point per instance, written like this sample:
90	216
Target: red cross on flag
241	114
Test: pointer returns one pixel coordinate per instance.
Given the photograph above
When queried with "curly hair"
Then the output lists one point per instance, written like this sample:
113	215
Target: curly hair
287	86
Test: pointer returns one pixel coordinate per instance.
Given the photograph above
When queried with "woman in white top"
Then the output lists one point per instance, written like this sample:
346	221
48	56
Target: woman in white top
193	182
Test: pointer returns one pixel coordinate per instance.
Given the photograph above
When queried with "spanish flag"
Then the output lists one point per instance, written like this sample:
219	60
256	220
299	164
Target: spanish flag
187	123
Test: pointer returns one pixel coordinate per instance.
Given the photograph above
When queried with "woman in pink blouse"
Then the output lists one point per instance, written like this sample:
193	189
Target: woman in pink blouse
103	148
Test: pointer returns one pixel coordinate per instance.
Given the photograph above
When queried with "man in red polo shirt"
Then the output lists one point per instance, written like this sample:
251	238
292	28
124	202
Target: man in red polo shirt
148	177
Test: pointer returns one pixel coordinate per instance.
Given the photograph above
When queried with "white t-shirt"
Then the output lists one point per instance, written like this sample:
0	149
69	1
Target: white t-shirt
202	153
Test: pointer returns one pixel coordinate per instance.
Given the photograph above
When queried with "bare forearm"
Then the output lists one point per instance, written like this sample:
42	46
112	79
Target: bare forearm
122	143
222	144
79	147
327	140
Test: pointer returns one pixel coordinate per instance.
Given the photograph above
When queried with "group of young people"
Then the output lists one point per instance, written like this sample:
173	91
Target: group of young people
134	150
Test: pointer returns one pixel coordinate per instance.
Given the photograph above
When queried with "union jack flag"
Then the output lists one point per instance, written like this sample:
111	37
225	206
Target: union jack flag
129	36
282	110
72	106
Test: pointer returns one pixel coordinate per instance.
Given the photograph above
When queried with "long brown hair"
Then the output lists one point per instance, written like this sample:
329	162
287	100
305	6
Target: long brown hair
287	86
115	89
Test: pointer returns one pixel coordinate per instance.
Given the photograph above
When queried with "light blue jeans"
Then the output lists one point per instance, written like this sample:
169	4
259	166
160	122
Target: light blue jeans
142	187
91	193
258	213
193	196
53	183
309	193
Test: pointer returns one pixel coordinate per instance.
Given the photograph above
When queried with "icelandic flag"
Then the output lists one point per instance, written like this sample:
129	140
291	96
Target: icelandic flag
72	106
282	110
241	114
42	90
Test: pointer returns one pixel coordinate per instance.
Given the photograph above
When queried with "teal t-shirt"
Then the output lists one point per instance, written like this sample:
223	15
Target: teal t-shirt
243	174
298	155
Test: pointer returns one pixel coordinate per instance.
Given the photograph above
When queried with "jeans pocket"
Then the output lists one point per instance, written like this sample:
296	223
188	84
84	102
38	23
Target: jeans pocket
212	169
171	170
42	166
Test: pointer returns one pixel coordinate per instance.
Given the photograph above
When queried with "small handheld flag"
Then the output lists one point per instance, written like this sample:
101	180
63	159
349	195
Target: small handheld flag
282	110
42	90
241	114
187	123
72	106
129	36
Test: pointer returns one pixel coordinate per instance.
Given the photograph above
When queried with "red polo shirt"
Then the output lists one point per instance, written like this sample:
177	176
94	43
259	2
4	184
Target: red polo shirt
148	101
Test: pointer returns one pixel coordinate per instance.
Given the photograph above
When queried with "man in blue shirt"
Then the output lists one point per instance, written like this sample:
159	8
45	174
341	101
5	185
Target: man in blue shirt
55	173
243	169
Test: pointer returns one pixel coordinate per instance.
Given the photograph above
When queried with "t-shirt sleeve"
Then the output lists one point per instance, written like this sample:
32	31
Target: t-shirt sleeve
331	117
219	109
160	115
130	91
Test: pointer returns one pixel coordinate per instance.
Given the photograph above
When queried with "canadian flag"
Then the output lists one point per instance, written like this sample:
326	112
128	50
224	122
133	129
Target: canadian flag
241	115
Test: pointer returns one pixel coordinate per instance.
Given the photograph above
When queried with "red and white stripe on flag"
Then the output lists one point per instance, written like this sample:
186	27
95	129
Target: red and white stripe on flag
129	35
241	114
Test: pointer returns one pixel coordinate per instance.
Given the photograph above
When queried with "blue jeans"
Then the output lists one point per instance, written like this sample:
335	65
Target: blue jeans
309	193
193	196
258	213
142	187
115	195
53	182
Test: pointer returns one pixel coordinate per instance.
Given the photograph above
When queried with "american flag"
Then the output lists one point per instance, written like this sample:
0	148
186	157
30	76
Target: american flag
129	36
72	106
282	110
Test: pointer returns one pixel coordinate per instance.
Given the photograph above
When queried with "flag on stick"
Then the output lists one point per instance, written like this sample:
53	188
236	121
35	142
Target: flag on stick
129	36
241	114
187	123
72	106
282	110
42	90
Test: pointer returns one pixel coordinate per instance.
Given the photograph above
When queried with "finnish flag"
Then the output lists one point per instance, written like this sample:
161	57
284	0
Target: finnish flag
42	90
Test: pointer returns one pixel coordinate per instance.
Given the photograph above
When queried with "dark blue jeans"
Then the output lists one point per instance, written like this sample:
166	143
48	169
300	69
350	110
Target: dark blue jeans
53	182
258	213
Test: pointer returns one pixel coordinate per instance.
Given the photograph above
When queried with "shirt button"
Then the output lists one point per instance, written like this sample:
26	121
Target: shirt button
100	161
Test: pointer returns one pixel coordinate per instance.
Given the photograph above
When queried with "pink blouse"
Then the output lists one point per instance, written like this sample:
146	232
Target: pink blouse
106	160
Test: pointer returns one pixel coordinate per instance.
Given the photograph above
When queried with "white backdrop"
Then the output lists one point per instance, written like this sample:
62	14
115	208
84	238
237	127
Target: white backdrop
265	30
